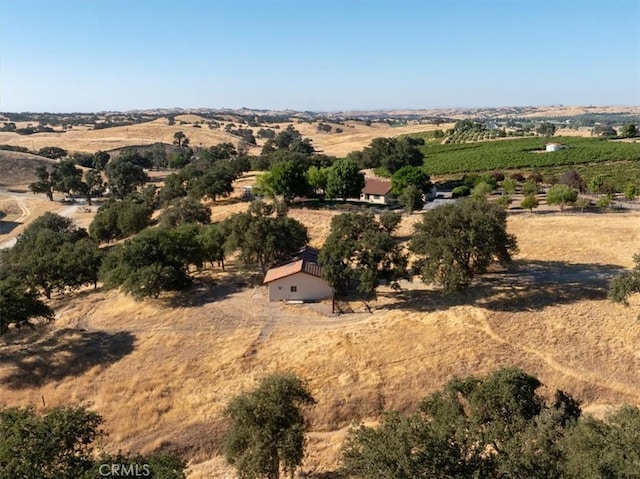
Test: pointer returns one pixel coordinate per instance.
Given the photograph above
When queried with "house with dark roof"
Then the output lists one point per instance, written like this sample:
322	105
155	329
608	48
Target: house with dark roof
376	191
299	279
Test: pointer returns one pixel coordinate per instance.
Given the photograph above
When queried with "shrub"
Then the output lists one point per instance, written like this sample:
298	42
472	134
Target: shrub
460	191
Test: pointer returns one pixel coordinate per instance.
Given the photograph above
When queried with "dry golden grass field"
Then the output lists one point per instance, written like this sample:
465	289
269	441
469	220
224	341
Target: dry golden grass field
160	371
355	136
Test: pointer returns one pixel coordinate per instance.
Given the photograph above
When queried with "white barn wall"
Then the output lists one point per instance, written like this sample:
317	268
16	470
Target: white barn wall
309	288
380	200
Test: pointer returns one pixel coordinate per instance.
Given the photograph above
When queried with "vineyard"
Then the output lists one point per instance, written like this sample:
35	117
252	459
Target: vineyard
524	153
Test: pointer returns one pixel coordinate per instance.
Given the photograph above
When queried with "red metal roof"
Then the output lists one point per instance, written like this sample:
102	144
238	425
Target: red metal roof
305	261
373	186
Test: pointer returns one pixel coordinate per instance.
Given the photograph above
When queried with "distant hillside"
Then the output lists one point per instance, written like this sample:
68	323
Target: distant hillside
18	168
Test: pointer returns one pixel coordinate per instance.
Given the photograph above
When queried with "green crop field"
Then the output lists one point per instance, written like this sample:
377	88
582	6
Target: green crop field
524	153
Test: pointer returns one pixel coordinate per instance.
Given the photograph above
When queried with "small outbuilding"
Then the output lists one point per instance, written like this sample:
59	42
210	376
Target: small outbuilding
376	191
300	279
554	147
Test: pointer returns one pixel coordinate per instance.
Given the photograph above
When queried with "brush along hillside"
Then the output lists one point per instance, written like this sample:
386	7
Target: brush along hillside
160	371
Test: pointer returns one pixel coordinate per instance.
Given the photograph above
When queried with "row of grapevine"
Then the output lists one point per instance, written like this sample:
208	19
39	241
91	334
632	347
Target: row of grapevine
524	153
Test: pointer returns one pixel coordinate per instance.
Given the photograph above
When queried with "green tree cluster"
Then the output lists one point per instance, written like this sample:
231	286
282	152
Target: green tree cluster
60	444
208	178
344	180
412	185
630	130
185	210
53	152
20	305
546	129
125	176
286	179
65	177
53	254
153	261
495	426
160	259
390	154
530	202
120	219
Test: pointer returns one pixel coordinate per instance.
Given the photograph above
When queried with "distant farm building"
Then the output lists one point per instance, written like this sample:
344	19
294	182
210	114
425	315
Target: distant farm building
300	279
554	147
376	191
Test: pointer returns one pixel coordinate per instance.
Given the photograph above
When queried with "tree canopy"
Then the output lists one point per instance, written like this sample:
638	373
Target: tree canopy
20	305
125	176
52	253
390	153
344	180
629	130
561	195
454	243
60	444
120	219
411	175
267	426
153	261
185	210
546	129
626	283
264	235
287	179
494	427
359	248
180	139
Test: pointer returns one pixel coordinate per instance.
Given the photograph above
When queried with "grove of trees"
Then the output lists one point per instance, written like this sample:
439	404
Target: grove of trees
496	426
53	254
390	154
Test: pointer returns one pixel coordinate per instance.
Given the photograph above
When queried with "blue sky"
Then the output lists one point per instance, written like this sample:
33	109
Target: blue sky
58	55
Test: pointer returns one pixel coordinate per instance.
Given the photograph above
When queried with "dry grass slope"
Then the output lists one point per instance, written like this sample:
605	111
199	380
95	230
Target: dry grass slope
18	168
161	371
356	135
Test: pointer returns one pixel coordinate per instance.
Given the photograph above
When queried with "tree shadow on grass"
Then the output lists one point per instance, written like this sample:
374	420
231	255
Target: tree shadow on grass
60	354
7	227
527	285
206	290
322	475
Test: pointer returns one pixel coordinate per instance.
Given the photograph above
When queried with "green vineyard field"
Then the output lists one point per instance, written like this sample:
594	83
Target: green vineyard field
524	153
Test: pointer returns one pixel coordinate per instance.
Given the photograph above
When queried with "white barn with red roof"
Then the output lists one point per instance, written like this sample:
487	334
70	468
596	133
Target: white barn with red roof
300	279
